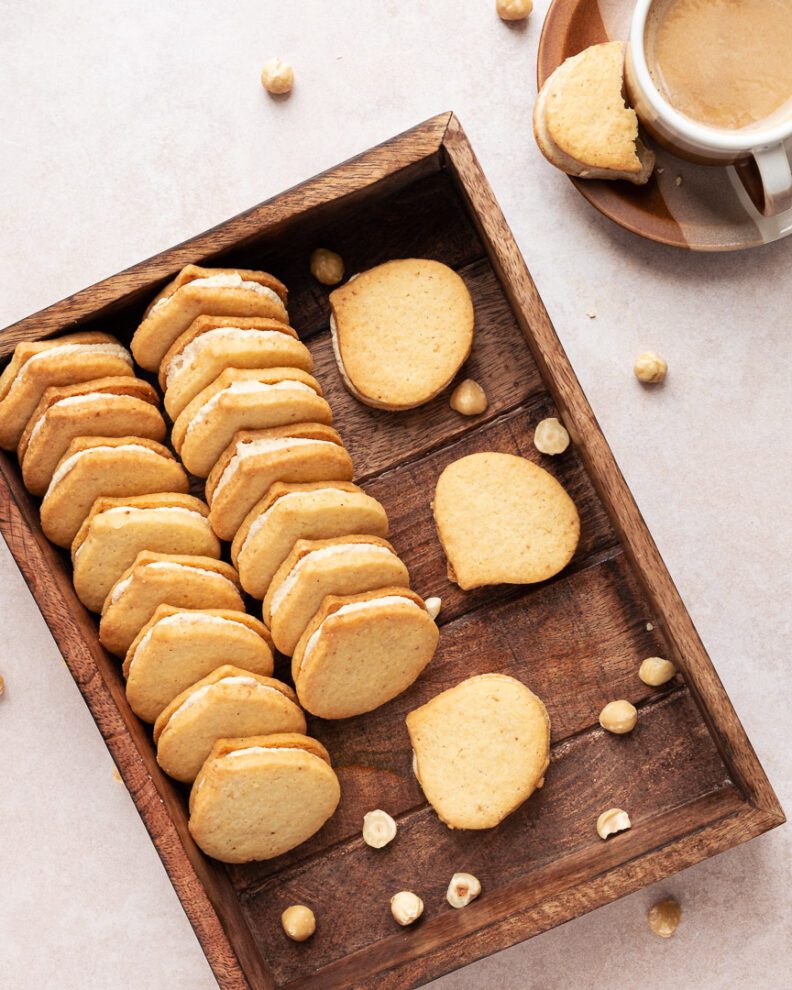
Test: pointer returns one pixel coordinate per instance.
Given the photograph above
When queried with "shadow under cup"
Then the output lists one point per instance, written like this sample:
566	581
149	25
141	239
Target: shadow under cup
701	72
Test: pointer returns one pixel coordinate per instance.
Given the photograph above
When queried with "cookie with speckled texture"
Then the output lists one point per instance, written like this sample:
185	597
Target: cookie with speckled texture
179	646
228	703
503	519
481	749
256	798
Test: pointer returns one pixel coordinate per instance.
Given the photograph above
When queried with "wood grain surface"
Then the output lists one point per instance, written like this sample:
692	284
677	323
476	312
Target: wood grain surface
687	775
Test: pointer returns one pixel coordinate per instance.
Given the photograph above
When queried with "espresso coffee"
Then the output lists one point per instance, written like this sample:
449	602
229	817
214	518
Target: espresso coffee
725	63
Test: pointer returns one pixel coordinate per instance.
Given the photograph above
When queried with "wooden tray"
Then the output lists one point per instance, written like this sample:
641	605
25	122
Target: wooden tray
688	775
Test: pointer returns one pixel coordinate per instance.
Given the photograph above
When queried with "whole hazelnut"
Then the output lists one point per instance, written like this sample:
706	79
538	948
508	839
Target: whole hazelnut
406	907
550	436
327	267
463	889
655	671
277	77
298	922
664	917
513	10
618	717
469	398
378	829
650	368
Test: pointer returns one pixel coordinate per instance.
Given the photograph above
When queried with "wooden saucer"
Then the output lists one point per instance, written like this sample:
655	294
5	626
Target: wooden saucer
698	207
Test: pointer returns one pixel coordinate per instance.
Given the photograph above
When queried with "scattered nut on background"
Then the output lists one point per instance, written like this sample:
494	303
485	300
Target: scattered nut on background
327	267
612	821
650	368
469	398
664	917
550	436
433	606
618	717
406	907
513	10
655	671
277	77
463	889
298	922
378	829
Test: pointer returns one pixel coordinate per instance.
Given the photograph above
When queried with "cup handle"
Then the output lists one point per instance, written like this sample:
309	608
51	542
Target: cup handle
776	175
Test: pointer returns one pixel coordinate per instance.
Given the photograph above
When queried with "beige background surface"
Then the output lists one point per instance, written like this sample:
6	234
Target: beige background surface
127	127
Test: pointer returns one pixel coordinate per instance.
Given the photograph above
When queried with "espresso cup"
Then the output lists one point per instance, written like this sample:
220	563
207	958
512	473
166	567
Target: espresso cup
702	143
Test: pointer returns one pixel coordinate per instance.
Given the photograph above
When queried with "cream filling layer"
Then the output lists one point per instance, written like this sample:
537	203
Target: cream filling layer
322	553
166	565
268	749
244	388
260	521
67	465
260	446
354	607
202	692
232	280
192	353
185	619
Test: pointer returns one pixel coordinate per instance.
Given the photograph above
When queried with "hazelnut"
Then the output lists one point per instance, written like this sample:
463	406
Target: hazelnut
611	821
277	77
433	606
463	889
550	437
655	671
378	829
618	717
406	907
664	917
298	922
513	10
327	267
469	398
650	368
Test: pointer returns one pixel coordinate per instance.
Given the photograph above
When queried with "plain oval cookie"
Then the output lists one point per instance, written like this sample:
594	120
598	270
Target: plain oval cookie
256	798
503	520
401	331
481	749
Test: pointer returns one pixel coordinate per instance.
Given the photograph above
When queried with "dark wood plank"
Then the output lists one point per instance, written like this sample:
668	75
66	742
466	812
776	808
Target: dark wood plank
670	762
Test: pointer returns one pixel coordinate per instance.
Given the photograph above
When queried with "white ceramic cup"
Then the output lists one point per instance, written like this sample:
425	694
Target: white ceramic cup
700	142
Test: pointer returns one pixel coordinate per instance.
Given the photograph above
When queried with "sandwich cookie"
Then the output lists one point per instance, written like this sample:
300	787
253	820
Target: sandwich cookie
401	331
503	519
229	703
359	651
343	565
213	343
244	399
581	123
96	466
257	797
117	529
77	357
200	291
256	459
480	749
108	407
164	579
177	647
288	513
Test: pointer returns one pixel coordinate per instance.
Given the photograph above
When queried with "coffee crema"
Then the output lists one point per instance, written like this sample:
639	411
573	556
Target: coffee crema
724	63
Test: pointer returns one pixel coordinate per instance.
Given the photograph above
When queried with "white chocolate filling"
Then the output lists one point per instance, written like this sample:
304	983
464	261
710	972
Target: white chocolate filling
260	521
269	749
232	280
69	463
185	619
251	448
355	607
165	565
323	553
249	387
207	689
192	353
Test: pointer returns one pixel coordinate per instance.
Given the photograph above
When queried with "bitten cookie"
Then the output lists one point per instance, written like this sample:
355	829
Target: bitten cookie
109	407
256	459
177	647
401	331
359	651
213	343
117	529
228	703
164	579
503	519
77	357
290	512
246	399
481	749
96	466
258	797
343	565
204	292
